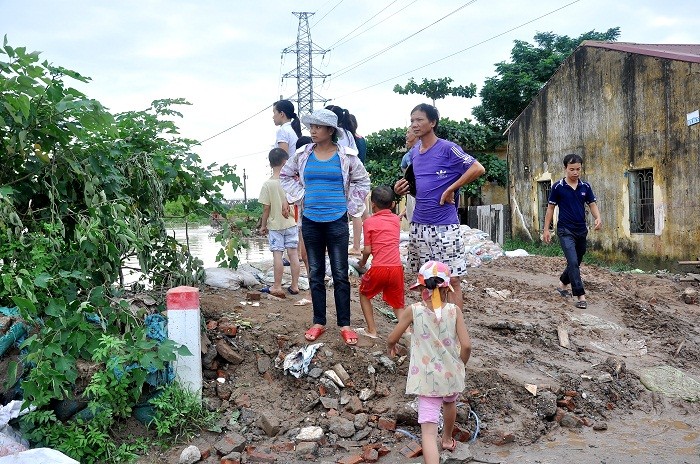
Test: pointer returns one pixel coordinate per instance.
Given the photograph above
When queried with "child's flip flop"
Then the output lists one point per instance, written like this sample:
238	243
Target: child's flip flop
452	447
363	331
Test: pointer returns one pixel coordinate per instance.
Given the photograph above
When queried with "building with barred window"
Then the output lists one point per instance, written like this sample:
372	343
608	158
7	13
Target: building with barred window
631	111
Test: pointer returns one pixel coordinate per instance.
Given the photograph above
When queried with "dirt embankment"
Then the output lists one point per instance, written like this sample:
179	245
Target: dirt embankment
589	406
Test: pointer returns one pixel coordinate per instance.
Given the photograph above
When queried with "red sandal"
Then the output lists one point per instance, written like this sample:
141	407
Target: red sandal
313	333
349	337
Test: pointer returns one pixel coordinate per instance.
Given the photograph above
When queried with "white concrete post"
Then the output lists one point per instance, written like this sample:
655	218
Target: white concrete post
182	304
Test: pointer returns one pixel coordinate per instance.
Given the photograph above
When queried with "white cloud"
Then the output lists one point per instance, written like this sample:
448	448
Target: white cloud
225	57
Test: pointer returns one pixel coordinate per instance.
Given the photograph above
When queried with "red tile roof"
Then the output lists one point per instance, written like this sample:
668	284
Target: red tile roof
680	52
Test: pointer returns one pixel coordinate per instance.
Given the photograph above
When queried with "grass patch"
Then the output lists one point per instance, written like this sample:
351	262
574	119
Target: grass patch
540	248
534	248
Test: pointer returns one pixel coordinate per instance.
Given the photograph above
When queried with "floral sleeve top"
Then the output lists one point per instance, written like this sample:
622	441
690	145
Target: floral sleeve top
435	368
355	178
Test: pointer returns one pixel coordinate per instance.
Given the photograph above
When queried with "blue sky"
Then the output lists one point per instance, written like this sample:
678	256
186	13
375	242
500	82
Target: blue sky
225	57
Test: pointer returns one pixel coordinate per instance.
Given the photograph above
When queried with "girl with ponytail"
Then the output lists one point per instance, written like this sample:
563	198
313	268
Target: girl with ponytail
289	132
345	125
440	348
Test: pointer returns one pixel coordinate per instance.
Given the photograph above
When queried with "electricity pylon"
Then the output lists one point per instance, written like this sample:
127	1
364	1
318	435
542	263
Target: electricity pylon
305	71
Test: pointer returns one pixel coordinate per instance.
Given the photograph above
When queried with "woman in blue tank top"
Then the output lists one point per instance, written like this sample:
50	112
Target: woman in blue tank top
331	182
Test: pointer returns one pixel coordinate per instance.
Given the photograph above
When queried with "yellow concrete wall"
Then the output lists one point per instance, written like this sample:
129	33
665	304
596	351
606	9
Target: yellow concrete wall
620	112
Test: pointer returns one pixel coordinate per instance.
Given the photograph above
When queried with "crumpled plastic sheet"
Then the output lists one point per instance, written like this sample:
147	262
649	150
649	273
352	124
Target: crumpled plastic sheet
297	362
517	253
228	278
11	441
478	247
38	456
17	333
10	312
156	329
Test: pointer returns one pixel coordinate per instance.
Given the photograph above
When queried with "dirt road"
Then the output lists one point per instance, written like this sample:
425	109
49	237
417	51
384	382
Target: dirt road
590	405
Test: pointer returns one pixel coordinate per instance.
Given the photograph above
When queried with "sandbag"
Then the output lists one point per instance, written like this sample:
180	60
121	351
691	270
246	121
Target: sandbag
228	278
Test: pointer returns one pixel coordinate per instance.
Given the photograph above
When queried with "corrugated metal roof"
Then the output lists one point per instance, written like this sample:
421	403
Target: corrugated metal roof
680	52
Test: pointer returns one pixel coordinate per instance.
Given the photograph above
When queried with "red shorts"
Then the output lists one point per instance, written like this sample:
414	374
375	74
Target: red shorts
387	280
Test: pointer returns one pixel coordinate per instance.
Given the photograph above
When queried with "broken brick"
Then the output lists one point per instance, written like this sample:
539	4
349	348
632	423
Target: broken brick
370	455
567	403
412	449
283	447
461	434
229	328
258	456
356	459
386	423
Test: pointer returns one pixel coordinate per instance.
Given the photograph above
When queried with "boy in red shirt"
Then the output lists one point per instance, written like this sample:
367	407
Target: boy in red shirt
382	233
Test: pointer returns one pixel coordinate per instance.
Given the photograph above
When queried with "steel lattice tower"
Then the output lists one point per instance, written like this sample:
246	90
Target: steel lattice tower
305	71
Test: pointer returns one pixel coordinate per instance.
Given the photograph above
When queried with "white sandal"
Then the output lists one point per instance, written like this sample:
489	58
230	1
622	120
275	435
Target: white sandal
363	331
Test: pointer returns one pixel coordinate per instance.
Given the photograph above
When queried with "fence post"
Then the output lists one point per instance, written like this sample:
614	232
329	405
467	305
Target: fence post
182	304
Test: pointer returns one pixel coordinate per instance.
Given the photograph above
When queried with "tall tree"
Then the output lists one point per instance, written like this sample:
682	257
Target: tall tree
507	94
436	89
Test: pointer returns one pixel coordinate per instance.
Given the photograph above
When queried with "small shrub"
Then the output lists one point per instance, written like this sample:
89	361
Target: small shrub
179	413
88	442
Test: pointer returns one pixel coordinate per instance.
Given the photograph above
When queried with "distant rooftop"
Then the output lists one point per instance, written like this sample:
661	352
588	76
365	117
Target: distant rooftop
680	52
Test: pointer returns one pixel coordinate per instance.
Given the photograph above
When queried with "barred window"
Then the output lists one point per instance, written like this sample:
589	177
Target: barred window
641	188
543	190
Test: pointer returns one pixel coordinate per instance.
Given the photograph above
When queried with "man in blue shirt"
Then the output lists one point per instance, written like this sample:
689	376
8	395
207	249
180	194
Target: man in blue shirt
571	194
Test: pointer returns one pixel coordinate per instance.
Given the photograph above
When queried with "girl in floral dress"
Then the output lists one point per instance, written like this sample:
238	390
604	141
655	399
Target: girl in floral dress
440	348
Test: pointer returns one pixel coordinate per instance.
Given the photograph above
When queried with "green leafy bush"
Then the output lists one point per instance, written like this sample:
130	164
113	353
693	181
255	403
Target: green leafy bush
82	191
87	441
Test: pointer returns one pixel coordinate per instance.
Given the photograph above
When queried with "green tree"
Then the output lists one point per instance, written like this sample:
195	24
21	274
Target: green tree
436	89
81	191
506	95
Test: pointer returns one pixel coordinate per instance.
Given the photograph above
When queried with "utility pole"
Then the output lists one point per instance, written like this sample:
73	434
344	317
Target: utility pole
305	72
245	192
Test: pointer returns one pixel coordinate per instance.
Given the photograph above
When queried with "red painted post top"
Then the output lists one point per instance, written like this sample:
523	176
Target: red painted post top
182	298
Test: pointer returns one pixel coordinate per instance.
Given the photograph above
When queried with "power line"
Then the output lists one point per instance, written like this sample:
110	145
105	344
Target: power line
363	23
373	26
329	12
267	108
460	51
250	154
407	72
359	63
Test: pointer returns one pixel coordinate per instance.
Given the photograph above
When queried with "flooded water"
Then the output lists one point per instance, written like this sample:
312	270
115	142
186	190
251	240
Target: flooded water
203	246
